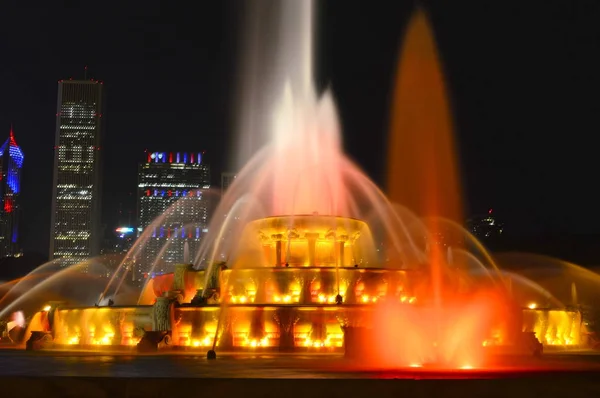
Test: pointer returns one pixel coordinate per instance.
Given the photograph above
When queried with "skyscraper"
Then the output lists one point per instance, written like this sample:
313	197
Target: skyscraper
11	162
174	184
226	180
75	226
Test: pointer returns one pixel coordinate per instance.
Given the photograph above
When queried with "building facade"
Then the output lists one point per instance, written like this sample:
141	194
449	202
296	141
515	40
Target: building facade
11	162
173	210
75	226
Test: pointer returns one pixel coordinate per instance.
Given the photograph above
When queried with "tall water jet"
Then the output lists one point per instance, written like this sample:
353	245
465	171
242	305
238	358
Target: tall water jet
277	47
186	253
422	162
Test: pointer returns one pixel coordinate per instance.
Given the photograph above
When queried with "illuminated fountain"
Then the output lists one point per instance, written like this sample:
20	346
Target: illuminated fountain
305	253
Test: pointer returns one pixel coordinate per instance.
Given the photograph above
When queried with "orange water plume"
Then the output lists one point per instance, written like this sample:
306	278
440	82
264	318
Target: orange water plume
451	337
422	160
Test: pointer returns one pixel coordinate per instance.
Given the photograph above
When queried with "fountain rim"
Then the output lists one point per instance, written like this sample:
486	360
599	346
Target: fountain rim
324	306
306	216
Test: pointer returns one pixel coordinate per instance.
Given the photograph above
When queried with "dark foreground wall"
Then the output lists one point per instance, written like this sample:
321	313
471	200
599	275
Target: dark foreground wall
561	385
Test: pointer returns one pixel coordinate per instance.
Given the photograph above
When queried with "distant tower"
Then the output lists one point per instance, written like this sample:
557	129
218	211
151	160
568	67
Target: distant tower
75	226
11	162
485	226
171	179
226	180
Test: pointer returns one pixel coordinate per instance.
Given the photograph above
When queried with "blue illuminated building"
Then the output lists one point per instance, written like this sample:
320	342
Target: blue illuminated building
11	163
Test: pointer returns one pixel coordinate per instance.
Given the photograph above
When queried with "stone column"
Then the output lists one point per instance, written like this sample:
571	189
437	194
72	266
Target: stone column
312	247
341	247
286	318
162	314
277	238
179	276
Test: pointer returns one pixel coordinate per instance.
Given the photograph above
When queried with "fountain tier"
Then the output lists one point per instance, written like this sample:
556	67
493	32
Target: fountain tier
301	291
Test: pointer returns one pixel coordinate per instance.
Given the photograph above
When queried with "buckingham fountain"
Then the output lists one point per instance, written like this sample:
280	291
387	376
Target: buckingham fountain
306	254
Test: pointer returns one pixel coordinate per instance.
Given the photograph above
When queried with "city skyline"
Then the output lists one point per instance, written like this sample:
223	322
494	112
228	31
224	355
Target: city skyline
164	92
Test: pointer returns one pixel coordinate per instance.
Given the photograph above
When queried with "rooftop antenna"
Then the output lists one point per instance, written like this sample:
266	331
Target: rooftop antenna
85	72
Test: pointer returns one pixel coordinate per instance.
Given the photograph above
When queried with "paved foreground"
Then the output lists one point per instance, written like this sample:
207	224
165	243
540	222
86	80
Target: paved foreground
28	374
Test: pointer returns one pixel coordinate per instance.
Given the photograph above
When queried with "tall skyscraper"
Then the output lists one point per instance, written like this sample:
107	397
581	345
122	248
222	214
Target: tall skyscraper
11	162
75	227
226	180
175	183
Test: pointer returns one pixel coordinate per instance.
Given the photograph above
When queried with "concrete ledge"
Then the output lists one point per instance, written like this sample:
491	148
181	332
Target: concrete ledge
549	385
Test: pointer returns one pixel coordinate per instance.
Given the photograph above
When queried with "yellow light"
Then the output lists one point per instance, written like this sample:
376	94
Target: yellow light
196	343
253	343
403	299
243	299
277	299
415	365
365	298
47	308
74	340
233	299
287	299
412	300
532	306
466	367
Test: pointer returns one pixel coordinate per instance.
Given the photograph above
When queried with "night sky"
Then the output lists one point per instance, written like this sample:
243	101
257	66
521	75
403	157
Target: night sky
523	77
